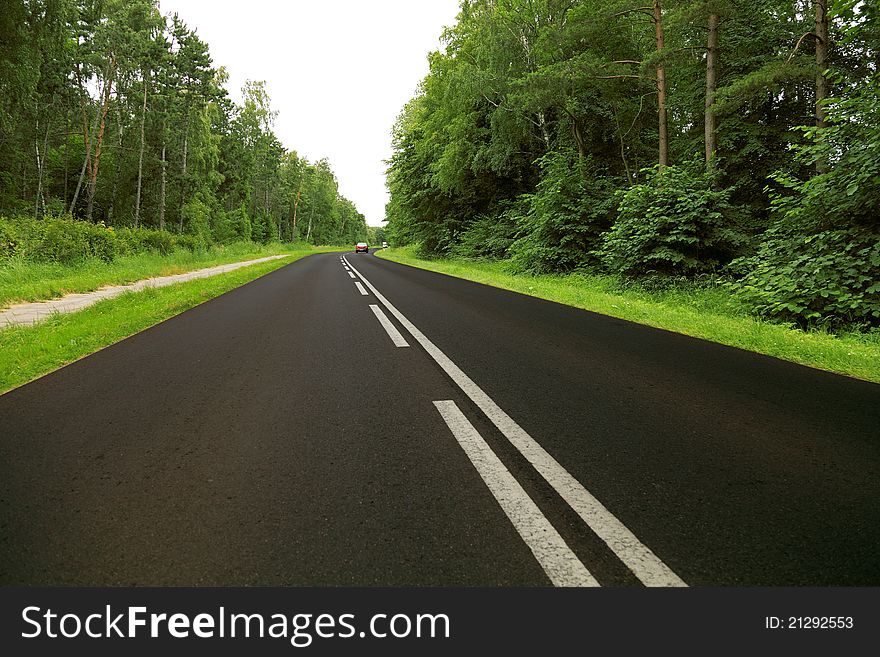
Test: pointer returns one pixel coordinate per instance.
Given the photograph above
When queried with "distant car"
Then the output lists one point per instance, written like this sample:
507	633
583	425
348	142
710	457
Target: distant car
384	245
361	247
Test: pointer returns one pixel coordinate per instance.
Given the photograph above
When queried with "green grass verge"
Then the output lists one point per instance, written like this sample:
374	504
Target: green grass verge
708	313
22	281
27	352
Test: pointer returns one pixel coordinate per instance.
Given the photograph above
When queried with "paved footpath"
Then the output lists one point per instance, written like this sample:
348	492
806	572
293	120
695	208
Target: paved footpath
31	313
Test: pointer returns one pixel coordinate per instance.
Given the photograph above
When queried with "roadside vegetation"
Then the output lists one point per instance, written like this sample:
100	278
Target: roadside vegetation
53	257
122	157
702	309
116	116
719	155
27	352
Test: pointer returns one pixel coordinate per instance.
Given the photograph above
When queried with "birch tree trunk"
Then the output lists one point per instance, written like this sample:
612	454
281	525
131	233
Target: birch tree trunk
162	192
41	166
295	204
711	84
66	146
821	66
87	160
184	190
137	202
661	88
93	173
821	60
162	184
118	166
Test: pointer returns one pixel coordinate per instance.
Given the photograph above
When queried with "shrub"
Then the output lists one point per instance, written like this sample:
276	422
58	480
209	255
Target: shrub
831	278
157	240
240	223
55	244
9	242
197	219
675	224
190	242
102	242
261	230
820	263
130	241
488	238
222	227
564	219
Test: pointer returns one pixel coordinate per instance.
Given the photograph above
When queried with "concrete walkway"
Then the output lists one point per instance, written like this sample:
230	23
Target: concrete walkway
31	313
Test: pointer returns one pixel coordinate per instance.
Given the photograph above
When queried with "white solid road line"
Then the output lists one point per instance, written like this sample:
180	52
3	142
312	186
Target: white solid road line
390	329
638	557
361	289
553	554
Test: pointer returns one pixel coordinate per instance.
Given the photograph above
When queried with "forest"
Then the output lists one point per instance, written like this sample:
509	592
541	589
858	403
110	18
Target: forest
712	142
116	130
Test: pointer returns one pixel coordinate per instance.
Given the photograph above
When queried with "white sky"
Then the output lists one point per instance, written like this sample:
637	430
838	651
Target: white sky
338	72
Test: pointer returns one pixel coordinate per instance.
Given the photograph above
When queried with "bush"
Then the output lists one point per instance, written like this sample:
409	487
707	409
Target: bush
197	219
158	241
261	228
820	263
190	242
64	240
9	243
129	241
240	224
488	238
675	224
222	228
830	278
67	241
102	242
564	219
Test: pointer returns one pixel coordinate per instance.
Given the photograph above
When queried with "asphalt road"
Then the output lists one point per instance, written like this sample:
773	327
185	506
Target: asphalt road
277	435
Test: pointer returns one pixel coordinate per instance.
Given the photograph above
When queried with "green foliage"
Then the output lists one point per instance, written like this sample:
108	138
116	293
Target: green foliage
675	224
565	217
487	238
820	264
240	223
197	219
68	241
9	241
141	240
263	229
130	98
538	118
829	278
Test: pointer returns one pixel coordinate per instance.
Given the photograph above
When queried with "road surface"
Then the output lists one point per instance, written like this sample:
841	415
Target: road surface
352	421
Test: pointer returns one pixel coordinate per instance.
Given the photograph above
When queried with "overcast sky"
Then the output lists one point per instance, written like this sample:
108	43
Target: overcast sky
338	73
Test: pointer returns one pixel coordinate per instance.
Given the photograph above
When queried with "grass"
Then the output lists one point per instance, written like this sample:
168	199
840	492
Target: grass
702	312
27	352
22	281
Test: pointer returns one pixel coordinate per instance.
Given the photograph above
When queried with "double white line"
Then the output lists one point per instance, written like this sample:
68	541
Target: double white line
390	329
641	561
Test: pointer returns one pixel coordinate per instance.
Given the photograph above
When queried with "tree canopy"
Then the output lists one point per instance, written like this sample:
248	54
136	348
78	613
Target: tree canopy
114	113
670	138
